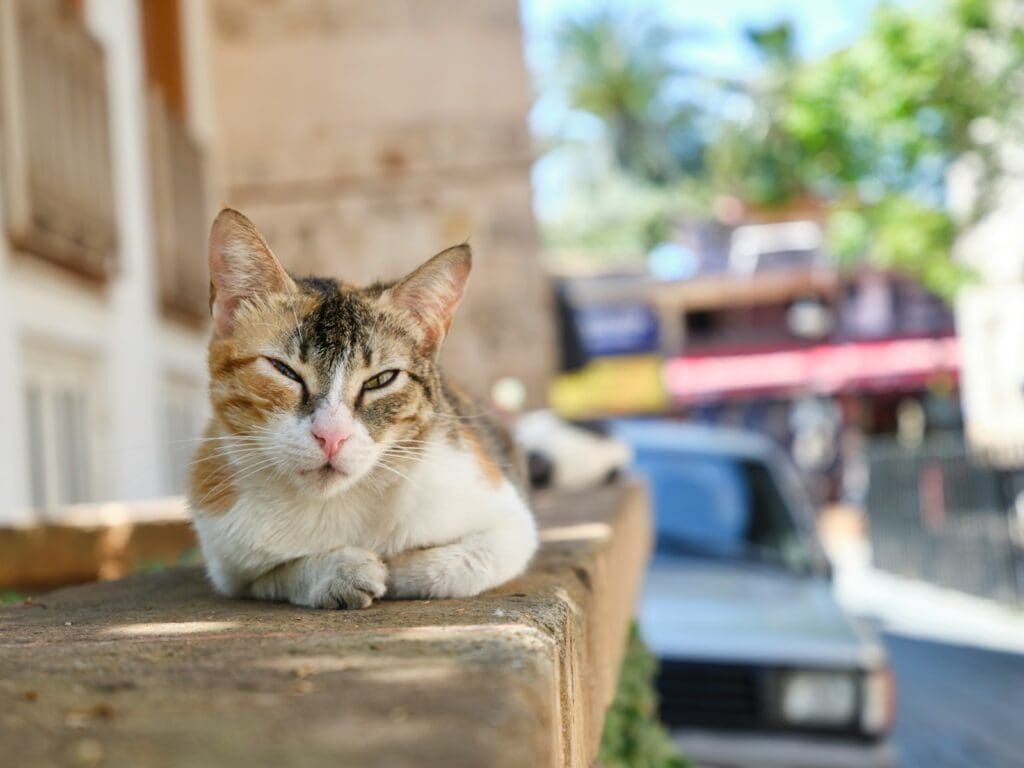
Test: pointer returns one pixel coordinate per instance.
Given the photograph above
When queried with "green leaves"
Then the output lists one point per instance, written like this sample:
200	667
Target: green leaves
621	69
873	130
899	233
633	737
868	134
776	44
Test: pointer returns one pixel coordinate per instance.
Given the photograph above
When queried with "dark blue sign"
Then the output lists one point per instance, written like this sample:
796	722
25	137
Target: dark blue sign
617	329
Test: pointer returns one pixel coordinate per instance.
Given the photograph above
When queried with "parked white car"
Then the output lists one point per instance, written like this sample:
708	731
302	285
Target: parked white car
759	664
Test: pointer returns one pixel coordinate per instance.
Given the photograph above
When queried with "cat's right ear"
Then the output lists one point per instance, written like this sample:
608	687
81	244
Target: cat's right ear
242	266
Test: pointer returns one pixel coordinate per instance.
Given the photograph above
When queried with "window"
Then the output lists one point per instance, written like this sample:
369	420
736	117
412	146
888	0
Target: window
62	429
719	506
58	175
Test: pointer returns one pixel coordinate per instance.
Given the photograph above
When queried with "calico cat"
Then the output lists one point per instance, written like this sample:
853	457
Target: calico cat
339	466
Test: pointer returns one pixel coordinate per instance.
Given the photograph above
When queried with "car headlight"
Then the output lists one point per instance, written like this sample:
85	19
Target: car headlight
819	699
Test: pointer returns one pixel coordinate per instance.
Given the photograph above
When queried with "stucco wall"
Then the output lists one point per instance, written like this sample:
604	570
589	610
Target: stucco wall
364	137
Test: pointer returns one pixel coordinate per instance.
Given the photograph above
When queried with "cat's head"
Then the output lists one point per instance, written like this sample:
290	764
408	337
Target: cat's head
316	383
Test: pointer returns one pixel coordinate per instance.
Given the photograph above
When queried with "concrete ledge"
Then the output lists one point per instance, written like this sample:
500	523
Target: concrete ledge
93	541
155	669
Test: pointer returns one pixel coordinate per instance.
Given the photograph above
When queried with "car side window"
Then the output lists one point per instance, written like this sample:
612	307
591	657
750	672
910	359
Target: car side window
770	527
720	506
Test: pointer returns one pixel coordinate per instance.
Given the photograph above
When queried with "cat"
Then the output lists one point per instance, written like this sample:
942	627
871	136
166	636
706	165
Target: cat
339	466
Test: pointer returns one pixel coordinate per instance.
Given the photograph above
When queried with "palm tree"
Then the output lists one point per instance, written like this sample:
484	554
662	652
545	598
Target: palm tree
757	157
621	69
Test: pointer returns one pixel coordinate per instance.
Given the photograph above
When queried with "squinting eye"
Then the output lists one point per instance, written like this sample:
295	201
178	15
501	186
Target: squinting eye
284	370
380	380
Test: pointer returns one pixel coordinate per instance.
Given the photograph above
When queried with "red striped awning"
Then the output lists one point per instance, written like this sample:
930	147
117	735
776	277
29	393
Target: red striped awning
875	366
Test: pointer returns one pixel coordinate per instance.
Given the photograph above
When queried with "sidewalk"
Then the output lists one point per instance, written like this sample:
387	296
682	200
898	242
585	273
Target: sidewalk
920	610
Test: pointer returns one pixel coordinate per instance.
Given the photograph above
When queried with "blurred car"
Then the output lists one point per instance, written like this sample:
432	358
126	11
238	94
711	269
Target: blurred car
760	666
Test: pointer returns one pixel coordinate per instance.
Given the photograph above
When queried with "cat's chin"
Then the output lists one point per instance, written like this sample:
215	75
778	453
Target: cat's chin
326	481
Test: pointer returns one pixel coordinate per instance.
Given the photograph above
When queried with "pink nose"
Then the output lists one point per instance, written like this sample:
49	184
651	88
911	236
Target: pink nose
330	440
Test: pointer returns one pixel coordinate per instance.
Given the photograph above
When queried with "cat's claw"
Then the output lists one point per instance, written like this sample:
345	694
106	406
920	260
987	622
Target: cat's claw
351	583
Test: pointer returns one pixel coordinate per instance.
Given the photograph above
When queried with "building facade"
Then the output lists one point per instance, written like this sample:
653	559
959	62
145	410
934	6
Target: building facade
361	137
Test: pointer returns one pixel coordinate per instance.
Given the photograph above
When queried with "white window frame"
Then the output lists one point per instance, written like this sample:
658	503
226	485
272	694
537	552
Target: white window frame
53	373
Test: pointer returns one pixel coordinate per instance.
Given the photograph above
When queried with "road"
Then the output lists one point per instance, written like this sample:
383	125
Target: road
957	706
958	662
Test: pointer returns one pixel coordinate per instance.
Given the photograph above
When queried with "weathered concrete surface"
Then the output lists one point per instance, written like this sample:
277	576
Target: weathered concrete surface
156	670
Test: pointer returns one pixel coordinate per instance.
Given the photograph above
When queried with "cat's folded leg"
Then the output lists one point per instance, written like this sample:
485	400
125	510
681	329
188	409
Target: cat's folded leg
467	567
348	577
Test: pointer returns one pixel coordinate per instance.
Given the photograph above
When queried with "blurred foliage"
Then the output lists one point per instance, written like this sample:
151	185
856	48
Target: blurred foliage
633	737
869	132
899	233
623	70
187	557
873	130
191	556
8	596
616	218
758	158
881	123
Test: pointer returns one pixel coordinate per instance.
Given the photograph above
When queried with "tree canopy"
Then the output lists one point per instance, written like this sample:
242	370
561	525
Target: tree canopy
622	69
870	132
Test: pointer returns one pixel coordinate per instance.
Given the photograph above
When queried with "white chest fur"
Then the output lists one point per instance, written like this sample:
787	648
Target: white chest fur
442	497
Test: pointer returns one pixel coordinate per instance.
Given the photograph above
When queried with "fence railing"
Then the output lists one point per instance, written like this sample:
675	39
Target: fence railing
58	176
938	515
180	213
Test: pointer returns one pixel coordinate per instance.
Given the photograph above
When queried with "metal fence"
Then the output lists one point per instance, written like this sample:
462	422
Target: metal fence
938	515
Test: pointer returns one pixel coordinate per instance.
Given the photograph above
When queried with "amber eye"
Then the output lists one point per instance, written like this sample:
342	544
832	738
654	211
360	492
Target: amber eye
380	380
285	371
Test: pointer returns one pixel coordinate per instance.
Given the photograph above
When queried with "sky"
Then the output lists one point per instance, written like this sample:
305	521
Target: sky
822	26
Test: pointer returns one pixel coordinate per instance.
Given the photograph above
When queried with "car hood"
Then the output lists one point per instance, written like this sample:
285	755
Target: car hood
749	613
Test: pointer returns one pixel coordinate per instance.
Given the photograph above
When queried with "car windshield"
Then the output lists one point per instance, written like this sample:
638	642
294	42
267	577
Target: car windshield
722	507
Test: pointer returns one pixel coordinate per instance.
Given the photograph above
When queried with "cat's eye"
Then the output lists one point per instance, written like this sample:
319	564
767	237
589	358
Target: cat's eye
380	380
286	371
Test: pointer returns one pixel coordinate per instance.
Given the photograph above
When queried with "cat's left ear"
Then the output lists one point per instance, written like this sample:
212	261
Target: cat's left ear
431	294
242	266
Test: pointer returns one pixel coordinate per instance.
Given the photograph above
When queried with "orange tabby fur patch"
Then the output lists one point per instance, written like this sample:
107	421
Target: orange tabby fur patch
241	394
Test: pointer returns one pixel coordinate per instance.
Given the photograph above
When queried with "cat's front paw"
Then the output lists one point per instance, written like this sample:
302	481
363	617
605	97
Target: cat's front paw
350	579
438	572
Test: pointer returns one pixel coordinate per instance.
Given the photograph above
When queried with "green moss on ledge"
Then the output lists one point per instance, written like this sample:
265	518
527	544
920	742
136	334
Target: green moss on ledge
633	737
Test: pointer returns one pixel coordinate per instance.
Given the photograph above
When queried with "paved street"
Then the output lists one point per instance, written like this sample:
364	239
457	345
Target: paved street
958	661
958	706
